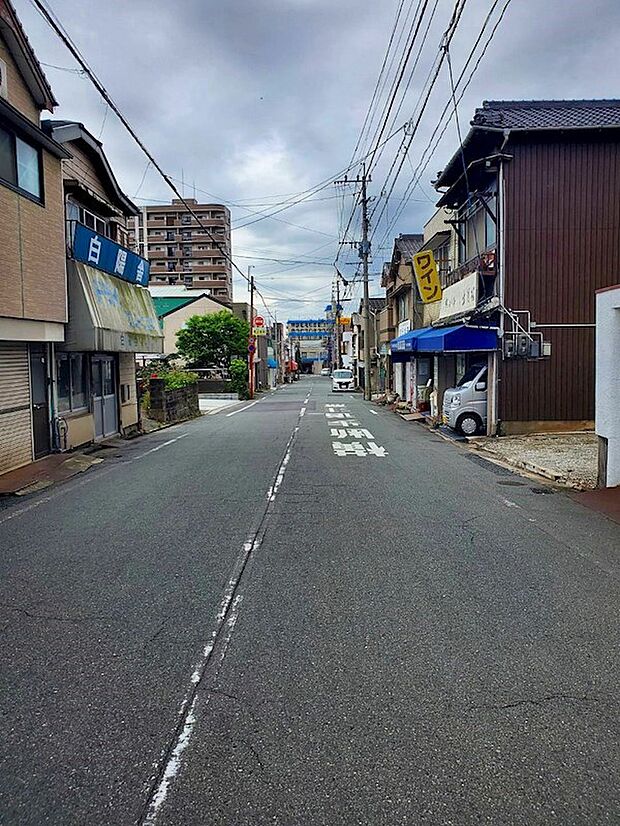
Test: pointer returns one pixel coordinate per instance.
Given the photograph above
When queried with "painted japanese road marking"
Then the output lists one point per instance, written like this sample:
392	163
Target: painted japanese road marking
343	426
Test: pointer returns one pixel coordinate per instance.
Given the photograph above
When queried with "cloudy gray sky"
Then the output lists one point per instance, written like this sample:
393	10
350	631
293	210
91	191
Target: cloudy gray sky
254	101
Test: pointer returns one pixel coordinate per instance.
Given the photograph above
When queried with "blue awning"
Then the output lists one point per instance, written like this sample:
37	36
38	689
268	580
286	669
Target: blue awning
406	342
457	339
272	363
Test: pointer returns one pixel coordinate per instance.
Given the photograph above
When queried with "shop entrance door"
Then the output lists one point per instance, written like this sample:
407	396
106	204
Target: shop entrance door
39	400
105	400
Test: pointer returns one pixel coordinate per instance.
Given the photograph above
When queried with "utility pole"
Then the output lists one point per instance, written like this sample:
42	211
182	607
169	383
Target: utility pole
338	326
364	255
251	340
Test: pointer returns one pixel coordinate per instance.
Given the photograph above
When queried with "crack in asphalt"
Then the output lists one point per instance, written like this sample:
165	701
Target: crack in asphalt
540	701
158	783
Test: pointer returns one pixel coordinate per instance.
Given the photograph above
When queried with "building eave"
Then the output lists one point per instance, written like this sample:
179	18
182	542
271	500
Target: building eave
22	52
31	130
66	132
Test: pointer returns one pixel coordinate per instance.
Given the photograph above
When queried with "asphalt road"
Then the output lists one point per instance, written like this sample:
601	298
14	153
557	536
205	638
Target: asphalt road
228	622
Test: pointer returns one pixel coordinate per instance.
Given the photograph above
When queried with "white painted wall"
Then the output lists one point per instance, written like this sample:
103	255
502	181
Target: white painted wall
607	411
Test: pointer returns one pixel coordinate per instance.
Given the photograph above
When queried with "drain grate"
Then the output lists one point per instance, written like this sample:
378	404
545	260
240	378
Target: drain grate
512	482
544	491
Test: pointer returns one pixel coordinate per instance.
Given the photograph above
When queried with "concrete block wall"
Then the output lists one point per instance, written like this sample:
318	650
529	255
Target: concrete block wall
173	405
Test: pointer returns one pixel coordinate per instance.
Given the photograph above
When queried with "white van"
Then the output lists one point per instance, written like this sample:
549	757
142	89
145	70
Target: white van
342	380
465	406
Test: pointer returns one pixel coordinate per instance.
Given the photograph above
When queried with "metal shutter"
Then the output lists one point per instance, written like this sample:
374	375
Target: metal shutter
15	414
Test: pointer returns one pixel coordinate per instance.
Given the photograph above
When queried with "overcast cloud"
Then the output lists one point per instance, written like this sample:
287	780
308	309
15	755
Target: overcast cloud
250	100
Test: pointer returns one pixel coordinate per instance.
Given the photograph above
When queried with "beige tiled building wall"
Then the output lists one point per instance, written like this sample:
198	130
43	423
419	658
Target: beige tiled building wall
32	250
19	95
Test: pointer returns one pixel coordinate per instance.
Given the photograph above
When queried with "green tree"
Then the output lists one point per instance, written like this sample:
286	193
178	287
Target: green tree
239	377
213	340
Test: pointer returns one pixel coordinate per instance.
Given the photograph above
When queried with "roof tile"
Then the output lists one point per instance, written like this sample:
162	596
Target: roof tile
547	114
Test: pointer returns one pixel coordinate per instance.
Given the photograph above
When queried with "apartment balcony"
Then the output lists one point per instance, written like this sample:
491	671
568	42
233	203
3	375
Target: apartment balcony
485	264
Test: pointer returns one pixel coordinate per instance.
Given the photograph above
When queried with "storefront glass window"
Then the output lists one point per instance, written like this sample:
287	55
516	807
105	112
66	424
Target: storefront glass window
460	366
63	381
71	381
78	380
108	379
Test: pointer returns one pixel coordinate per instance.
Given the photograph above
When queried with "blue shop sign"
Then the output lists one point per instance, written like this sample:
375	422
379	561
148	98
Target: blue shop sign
104	254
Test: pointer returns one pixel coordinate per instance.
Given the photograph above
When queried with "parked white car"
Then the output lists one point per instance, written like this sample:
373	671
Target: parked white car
465	406
342	380
325	371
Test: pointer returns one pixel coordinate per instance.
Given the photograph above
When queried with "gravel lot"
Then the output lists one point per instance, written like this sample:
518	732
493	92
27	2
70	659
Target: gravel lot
571	458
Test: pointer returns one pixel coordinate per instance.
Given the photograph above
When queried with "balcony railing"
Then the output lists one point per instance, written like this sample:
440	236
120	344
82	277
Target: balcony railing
485	264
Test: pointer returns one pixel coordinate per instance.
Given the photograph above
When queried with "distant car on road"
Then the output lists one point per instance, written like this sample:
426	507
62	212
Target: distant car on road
342	380
325	371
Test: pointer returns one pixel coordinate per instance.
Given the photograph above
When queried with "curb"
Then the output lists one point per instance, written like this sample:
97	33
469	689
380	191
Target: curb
531	468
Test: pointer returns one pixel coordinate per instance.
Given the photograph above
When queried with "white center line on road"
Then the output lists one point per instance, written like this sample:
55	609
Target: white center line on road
219	639
374	412
510	504
241	409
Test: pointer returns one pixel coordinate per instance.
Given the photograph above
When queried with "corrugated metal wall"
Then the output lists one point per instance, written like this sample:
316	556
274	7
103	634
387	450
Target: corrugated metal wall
562	243
15	414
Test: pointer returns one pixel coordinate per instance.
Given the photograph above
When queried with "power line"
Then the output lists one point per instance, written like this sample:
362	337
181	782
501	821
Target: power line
381	71
401	71
401	74
55	24
411	74
384	84
423	164
447	37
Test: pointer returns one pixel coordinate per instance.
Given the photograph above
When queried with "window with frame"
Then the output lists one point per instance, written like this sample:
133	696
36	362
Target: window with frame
490	227
75	212
72	381
402	307
186	218
20	164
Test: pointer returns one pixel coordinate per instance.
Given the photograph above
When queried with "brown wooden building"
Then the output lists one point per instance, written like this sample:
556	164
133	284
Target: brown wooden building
533	193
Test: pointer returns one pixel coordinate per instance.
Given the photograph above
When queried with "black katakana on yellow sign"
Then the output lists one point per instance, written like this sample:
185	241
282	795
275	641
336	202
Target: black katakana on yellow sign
427	276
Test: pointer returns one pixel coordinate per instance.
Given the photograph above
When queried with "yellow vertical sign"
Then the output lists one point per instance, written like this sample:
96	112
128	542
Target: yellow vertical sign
427	276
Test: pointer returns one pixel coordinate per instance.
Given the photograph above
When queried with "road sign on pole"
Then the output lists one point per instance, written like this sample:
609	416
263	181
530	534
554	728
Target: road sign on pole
259	321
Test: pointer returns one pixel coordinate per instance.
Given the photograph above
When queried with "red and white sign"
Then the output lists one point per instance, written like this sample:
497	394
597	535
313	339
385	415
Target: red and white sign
259	321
